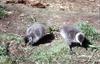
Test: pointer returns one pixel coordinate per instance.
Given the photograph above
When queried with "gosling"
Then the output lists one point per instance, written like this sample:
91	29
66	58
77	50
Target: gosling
71	35
35	32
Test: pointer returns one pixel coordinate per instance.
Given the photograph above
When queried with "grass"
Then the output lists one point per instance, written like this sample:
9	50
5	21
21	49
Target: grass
50	54
5	37
4	58
57	53
2	12
3	50
10	37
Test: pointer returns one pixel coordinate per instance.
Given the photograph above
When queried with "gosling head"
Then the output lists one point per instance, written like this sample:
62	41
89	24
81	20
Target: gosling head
79	38
31	39
28	39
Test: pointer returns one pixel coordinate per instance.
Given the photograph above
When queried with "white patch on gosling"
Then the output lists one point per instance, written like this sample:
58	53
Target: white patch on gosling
77	36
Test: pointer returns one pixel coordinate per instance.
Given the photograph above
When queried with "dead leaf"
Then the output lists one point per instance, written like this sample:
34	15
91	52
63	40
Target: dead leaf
38	5
10	1
16	1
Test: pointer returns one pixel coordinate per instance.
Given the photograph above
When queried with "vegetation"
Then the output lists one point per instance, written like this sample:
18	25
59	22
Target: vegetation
10	37
4	38
4	58
47	55
54	54
2	12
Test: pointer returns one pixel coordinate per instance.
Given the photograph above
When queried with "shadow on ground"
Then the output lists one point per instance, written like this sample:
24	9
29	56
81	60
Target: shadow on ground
46	39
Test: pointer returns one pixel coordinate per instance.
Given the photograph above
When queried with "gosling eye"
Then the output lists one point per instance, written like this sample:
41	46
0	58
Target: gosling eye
30	39
81	38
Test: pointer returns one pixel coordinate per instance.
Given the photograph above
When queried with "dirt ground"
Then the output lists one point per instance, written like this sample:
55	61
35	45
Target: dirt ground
55	14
